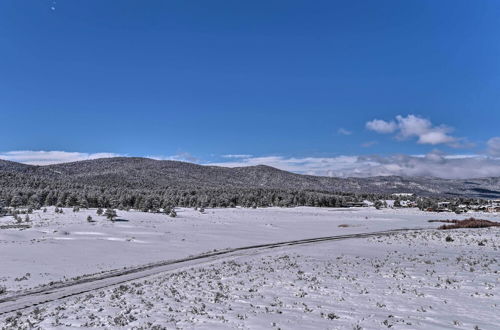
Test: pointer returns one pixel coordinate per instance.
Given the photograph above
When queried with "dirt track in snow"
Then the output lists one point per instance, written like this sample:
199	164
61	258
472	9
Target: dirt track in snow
30	298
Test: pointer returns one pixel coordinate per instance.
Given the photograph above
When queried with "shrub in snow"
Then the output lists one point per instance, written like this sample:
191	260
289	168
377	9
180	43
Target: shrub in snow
110	214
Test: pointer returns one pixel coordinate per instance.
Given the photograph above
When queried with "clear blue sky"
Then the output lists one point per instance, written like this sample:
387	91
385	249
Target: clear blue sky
245	77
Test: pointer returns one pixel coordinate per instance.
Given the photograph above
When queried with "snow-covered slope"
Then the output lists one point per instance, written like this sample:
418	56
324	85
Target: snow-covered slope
412	280
143	173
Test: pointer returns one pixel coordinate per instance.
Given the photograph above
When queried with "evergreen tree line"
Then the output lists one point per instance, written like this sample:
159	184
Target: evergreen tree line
153	200
17	190
35	191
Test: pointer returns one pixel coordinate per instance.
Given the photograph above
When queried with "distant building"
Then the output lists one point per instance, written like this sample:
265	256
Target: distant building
408	204
493	208
494	202
443	207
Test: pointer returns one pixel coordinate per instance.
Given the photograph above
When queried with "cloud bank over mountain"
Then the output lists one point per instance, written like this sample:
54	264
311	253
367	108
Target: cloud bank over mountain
42	157
434	164
412	129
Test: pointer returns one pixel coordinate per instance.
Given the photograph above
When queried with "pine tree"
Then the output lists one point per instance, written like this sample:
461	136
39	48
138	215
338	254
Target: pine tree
110	214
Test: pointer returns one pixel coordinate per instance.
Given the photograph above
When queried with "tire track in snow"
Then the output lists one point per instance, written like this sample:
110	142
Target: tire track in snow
34	297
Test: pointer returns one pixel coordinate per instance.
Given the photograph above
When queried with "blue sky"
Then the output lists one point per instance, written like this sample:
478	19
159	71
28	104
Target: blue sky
277	81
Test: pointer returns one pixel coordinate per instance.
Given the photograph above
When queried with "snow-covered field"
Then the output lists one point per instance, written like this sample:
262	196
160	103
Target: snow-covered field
409	280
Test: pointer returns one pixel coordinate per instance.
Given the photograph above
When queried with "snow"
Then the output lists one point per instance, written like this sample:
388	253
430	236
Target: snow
60	246
409	280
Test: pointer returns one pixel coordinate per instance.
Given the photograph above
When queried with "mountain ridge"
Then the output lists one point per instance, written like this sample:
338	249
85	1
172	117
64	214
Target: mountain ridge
133	172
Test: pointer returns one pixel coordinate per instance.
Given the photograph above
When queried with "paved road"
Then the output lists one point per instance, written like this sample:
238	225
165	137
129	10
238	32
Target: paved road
31	298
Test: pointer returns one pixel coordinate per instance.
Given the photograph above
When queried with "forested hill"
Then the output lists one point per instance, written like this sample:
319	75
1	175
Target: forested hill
144	173
119	177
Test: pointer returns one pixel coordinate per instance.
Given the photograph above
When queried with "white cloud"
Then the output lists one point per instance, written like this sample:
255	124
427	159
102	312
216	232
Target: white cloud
51	157
494	146
435	138
434	164
382	126
343	131
413	126
238	156
307	165
182	157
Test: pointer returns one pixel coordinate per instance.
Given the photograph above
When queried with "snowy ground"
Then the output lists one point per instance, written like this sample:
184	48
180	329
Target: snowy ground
62	246
415	280
412	280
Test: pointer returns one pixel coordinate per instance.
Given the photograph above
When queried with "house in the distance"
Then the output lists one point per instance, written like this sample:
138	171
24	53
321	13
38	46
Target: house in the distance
443	207
493	206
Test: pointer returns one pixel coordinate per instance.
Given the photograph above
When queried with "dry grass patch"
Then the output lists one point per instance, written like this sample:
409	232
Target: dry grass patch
467	223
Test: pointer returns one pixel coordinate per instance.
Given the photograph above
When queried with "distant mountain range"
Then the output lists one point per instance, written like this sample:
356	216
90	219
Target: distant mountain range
144	173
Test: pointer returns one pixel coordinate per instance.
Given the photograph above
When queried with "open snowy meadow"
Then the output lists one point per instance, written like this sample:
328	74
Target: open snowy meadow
421	279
